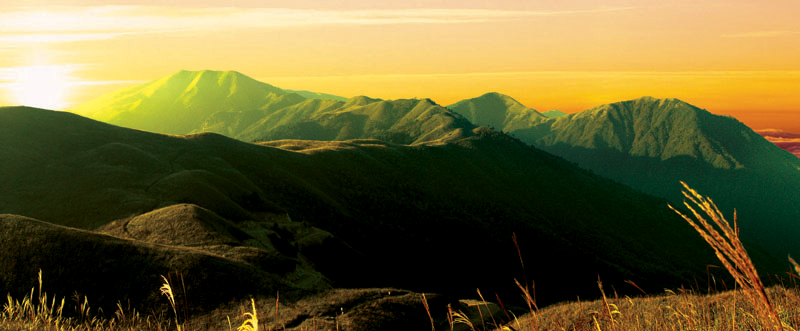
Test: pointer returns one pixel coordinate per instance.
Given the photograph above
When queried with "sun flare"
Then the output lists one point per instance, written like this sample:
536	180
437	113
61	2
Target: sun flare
42	86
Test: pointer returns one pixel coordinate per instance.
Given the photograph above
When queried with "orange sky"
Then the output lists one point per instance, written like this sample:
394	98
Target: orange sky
730	57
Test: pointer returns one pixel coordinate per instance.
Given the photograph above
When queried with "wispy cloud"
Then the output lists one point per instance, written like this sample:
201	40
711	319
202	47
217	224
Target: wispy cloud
791	145
50	38
70	24
764	34
65	73
786	140
16	74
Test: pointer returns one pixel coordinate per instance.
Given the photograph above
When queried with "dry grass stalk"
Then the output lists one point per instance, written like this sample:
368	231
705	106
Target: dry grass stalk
277	308
608	309
531	305
486	305
428	310
458	317
730	251
251	323
166	290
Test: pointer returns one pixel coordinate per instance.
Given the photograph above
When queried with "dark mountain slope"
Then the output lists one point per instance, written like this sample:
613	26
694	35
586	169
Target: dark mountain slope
650	144
437	216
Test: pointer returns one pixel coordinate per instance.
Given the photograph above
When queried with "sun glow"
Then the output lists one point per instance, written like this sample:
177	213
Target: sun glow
42	86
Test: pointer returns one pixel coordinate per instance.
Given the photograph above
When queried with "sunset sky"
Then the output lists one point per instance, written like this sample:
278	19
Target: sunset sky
734	57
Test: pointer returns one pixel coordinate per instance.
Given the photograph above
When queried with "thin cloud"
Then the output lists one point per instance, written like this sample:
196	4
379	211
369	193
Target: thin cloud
71	24
778	134
10	76
764	34
51	38
108	82
787	141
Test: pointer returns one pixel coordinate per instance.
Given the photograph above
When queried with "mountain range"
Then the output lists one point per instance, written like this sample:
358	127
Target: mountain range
240	107
650	143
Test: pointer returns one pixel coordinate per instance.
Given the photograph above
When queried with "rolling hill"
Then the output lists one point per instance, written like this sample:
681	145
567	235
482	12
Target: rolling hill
436	216
649	144
107	269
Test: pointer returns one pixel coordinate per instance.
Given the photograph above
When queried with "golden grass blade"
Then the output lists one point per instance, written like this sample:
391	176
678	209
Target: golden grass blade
251	323
428	310
166	290
461	318
794	264
730	251
485	304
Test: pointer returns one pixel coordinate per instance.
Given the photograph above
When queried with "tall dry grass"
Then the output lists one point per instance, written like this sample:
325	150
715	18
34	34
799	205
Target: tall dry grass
35	311
751	306
724	239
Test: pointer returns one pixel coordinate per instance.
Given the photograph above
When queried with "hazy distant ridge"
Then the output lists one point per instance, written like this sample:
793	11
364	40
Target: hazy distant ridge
238	106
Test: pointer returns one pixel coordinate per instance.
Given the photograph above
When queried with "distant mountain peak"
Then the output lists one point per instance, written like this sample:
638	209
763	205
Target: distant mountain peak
497	110
226	79
499	96
182	102
661	129
553	113
654	100
360	101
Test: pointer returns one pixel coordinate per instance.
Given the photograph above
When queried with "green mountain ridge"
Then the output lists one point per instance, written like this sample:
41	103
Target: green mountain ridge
650	143
408	121
316	95
321	211
240	107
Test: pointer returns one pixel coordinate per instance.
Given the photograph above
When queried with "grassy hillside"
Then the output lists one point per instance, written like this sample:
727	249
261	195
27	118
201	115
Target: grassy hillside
363	213
108	269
